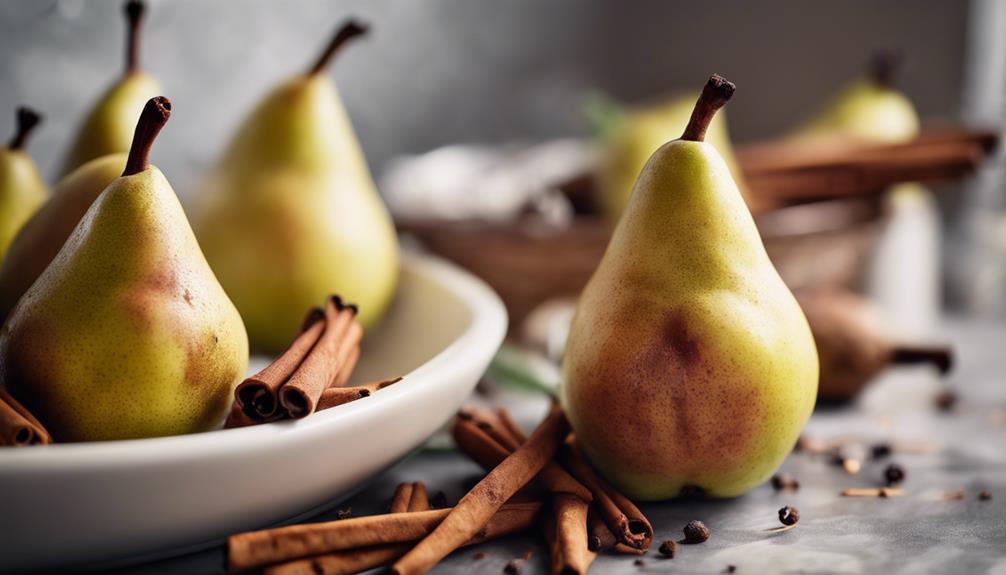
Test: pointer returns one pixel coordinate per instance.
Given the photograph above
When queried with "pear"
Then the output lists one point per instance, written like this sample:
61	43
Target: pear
853	344
630	142
870	109
127	333
22	190
43	235
108	127
689	365
291	213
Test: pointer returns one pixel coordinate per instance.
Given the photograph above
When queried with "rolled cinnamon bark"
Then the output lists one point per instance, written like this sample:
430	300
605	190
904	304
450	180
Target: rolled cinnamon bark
621	515
347	370
18	427
257	396
487	446
566	534
419	501
334	396
477	507
401	499
300	394
261	548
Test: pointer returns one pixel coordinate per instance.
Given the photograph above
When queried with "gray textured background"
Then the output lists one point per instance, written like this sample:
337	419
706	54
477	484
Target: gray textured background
442	71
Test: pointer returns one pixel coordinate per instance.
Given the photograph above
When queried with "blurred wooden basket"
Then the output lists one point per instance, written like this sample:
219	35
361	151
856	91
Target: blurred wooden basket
818	208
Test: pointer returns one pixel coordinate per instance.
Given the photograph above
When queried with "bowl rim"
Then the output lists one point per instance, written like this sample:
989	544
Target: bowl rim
488	322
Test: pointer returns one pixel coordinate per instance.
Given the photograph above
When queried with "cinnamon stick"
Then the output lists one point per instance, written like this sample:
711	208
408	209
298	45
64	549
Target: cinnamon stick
261	548
300	394
401	499
631	528
18	427
347	370
566	534
257	396
419	501
334	396
480	443
475	509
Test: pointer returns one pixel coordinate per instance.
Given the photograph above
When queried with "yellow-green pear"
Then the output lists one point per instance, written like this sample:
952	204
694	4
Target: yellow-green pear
291	213
870	109
127	333
689	364
108	126
634	138
44	233
22	190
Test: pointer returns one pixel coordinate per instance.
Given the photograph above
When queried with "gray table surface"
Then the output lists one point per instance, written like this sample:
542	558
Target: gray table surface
921	532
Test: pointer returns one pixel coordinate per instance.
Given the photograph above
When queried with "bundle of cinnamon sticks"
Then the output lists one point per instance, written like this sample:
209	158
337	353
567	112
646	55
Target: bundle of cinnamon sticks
795	171
311	375
539	479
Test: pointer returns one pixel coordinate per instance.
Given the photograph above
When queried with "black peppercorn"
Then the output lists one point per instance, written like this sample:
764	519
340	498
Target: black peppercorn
945	400
513	567
784	481
668	548
789	515
731	569
696	532
984	496
639	562
881	450
344	513
894	474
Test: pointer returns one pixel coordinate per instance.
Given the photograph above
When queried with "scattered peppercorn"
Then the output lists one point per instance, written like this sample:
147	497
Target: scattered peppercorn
945	400
668	548
344	513
789	515
479	556
881	450
513	567
696	532
731	569
894	474
593	543
639	562
784	482
439	500
984	496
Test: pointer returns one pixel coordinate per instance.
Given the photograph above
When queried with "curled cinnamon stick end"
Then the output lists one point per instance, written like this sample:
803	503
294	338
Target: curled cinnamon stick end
400	500
257	396
299	396
153	117
631	528
419	500
475	509
715	94
18	427
27	120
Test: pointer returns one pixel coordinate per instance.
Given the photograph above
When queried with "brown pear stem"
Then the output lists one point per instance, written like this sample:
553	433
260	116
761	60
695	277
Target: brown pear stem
884	67
715	94
155	114
940	356
134	10
27	119
351	29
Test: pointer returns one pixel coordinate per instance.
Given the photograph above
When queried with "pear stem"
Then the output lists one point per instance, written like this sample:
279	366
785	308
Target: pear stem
134	11
351	29
155	114
715	94
884	67
941	357
27	119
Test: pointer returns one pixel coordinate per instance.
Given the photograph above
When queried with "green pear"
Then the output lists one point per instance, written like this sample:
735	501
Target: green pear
22	190
43	235
291	213
127	333
636	135
871	109
108	127
689	363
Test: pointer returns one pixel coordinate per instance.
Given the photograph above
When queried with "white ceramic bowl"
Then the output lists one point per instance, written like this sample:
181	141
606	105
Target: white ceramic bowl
97	502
